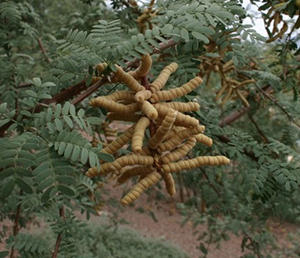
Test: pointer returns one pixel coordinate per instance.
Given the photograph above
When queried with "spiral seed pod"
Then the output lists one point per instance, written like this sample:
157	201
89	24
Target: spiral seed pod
177	92
144	67
138	135
181	119
119	142
131	159
182	106
122	95
142	95
204	139
170	183
180	152
141	187
92	172
243	99
175	141
162	78
194	163
149	110
163	129
126	78
101	67
128	117
132	172
113	106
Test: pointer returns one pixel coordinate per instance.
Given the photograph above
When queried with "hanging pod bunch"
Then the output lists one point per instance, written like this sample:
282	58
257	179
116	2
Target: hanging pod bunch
230	88
161	136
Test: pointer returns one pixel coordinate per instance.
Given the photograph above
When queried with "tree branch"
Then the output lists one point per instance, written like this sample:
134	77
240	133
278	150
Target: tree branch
15	229
59	236
43	51
261	133
233	116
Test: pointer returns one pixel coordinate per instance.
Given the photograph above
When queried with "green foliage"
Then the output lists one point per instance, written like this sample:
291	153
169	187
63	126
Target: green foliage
49	50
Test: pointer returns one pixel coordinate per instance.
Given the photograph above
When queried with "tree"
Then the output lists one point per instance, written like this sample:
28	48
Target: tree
50	71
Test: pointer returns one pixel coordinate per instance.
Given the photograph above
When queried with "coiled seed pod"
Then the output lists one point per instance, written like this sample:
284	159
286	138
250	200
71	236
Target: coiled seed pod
162	131
194	163
180	152
177	92
141	187
162	78
138	135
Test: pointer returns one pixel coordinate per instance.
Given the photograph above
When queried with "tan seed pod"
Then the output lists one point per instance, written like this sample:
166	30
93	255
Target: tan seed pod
194	163
122	95
113	106
132	159
144	67
92	172
126	78
176	92
180	152
243	99
181	119
163	129
170	183
162	78
119	142
128	117
142	95
135	171
204	139
149	110
182	106
141	187
101	67
175	141
138	135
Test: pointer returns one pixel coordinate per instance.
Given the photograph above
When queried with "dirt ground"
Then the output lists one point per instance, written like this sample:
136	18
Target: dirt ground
169	226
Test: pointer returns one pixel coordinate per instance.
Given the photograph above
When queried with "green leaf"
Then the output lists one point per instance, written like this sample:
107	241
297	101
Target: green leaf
84	156
68	121
106	157
66	190
37	81
93	159
76	153
46	194
48	84
94	120
4	121
72	110
24	186
61	148
31	93
184	34
66	108
200	36
58	124
3	107
68	150
8	187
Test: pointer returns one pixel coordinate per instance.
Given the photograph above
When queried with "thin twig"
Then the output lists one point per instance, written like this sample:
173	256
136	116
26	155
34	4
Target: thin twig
16	229
43	50
275	101
89	91
260	132
233	116
59	236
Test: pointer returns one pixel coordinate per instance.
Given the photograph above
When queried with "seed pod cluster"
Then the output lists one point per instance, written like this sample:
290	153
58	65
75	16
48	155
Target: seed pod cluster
230	88
275	23
161	135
